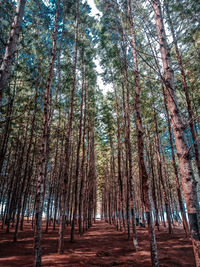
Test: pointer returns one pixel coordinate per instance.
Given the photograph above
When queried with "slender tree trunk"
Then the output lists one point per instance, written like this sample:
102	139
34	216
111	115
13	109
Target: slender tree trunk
126	135
82	166
48	208
159	166
6	133
120	180
91	177
142	167
187	176
67	142
11	46
130	189
43	151
154	195
178	186
185	86
78	161
22	183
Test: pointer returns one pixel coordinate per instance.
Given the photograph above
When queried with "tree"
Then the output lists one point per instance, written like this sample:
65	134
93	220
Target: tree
44	145
11	46
188	181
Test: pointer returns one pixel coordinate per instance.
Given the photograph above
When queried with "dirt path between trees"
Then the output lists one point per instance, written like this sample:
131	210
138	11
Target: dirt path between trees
102	246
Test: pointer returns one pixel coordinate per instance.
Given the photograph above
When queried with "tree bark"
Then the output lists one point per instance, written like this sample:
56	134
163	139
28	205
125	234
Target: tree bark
78	160
139	126
178	186
187	176
82	182
11	45
185	86
67	142
43	150
120	180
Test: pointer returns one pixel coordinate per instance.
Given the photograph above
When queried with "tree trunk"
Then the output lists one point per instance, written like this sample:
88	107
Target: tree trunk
43	150
186	89
82	166
159	166
139	126
178	186
78	160
67	142
187	176
120	180
11	45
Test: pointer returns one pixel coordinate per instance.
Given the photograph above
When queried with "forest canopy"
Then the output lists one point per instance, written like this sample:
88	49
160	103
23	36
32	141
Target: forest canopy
100	118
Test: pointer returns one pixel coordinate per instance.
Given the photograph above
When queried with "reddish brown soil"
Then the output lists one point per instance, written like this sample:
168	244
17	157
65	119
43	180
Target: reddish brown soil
102	245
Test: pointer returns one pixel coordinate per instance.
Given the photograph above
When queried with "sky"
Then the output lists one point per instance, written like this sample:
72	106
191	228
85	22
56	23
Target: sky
104	87
94	10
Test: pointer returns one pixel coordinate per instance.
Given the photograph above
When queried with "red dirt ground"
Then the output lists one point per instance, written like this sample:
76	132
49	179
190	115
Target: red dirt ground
102	246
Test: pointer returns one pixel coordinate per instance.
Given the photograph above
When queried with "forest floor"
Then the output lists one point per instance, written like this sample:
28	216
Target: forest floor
102	246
